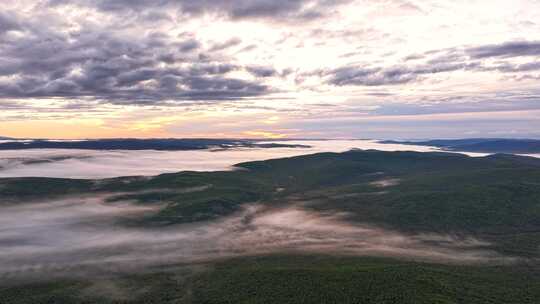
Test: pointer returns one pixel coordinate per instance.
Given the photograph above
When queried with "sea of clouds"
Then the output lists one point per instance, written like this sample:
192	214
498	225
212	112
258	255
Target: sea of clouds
85	235
94	164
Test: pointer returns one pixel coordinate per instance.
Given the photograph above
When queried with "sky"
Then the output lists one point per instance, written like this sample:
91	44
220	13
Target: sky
389	69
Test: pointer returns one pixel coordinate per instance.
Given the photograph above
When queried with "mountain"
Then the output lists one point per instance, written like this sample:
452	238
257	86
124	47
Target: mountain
484	145
481	213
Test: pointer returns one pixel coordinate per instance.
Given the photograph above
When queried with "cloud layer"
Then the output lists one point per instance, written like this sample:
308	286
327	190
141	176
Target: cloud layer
79	236
90	164
154	68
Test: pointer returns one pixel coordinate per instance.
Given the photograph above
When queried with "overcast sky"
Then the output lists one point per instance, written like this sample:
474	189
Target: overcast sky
270	68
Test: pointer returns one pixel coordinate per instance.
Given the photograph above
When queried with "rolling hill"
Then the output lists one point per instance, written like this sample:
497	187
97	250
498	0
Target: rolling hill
494	199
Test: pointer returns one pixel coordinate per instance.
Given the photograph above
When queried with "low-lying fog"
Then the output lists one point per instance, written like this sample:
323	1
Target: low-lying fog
84	235
104	164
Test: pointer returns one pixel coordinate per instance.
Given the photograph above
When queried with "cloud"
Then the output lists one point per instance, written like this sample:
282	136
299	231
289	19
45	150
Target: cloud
92	164
416	67
506	50
282	10
260	71
247	56
8	23
77	236
460	104
370	76
226	44
394	75
101	65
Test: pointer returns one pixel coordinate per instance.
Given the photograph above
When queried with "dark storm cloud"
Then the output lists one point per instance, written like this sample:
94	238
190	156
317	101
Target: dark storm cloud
506	50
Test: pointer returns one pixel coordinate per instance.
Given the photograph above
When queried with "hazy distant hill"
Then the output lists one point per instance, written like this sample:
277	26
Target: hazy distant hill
172	144
486	145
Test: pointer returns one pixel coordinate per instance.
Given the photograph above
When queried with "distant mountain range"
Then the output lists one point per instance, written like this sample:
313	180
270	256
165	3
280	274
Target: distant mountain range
485	145
142	144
